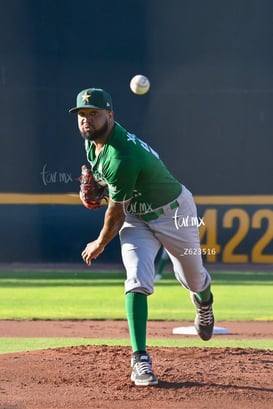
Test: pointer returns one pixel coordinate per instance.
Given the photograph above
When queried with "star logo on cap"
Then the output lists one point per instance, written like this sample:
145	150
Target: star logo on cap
85	97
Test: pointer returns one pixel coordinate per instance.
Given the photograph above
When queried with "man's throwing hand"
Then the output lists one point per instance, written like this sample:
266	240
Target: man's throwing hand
92	251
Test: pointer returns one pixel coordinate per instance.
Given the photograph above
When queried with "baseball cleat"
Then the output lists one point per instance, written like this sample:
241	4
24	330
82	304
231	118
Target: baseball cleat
142	374
204	320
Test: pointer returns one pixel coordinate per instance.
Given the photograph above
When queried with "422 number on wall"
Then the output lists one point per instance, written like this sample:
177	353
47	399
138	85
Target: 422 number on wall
237	234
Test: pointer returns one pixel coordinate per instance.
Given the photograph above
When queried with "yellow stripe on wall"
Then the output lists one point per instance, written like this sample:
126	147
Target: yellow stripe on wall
73	199
24	198
233	200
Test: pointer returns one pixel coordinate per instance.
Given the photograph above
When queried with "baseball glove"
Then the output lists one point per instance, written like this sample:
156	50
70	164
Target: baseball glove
91	192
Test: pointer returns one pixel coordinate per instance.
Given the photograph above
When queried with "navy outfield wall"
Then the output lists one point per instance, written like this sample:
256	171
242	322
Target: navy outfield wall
209	110
56	228
208	113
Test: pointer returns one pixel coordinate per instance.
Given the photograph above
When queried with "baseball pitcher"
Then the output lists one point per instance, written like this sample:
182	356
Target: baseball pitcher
144	204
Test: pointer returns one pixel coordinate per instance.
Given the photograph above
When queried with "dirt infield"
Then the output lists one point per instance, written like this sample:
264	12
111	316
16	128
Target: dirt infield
99	377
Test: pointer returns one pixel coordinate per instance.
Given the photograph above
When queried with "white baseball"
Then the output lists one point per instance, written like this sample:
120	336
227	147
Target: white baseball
140	84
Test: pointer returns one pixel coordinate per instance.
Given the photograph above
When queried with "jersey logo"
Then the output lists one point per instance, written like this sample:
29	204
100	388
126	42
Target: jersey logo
112	188
100	168
132	138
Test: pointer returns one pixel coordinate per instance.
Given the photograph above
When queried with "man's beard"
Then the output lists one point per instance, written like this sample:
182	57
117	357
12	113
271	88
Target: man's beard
93	135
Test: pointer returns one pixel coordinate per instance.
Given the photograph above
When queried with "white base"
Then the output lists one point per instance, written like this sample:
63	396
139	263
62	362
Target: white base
192	331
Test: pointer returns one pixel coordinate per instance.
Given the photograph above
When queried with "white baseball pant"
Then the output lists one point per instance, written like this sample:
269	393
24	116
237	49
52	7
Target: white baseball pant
178	232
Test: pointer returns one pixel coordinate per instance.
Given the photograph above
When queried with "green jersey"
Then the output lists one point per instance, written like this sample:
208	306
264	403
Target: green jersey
132	170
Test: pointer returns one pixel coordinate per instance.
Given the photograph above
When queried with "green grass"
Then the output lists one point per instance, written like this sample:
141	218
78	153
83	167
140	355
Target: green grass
100	295
93	295
11	345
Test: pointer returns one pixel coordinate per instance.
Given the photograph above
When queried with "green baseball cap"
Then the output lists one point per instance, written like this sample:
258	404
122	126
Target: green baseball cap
93	98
